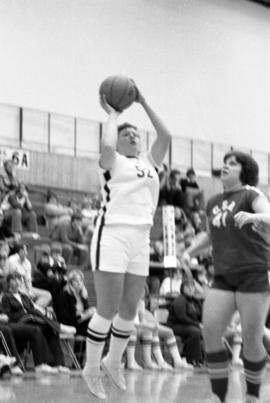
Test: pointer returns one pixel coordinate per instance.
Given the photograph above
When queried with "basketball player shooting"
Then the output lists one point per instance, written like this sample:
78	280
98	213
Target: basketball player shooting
120	244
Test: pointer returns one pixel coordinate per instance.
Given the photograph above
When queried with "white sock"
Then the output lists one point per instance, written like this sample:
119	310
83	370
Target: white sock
147	350
173	349
97	333
121	330
131	351
157	351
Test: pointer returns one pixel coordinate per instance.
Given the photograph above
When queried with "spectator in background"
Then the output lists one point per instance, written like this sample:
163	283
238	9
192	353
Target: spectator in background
70	235
55	211
49	275
172	283
6	235
58	263
20	264
9	181
190	181
18	211
73	309
185	316
89	215
171	192
3	268
20	309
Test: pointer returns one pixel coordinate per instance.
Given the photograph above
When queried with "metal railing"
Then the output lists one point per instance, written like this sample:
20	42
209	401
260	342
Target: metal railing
36	130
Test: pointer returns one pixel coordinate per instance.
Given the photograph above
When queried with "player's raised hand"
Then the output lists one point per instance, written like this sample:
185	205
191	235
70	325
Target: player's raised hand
107	107
242	218
139	97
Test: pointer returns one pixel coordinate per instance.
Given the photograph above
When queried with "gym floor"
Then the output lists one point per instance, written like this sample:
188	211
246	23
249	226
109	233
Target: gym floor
147	386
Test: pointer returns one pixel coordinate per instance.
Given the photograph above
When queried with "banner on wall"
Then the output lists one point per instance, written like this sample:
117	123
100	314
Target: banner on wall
21	158
170	260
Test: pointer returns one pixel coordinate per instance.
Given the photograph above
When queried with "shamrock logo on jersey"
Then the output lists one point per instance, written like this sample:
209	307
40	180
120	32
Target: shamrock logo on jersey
221	213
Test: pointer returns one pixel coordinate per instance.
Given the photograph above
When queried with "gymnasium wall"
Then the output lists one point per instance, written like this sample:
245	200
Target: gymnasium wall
202	63
61	171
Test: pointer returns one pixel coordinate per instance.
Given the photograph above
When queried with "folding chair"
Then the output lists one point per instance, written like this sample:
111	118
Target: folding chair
66	339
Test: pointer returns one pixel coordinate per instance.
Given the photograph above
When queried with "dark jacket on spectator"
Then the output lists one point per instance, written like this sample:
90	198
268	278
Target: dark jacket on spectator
21	312
185	311
66	311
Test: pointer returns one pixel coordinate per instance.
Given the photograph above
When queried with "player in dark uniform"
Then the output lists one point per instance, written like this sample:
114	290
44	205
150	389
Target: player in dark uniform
241	255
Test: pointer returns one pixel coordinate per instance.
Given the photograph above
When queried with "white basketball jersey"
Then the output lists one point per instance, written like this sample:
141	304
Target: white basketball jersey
130	191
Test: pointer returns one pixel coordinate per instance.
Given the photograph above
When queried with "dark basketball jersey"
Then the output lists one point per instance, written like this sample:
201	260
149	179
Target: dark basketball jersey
235	250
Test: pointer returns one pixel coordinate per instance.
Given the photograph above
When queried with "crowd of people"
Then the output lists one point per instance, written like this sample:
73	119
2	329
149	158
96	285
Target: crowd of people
42	298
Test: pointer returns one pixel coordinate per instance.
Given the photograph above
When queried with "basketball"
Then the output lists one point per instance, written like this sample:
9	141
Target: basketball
120	91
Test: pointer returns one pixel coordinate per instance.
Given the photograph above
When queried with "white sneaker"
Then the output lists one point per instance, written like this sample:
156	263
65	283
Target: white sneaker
16	371
6	359
96	387
151	365
134	367
63	370
115	374
183	364
46	369
164	366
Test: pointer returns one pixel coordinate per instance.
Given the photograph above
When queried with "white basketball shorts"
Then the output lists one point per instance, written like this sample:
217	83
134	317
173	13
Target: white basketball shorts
121	249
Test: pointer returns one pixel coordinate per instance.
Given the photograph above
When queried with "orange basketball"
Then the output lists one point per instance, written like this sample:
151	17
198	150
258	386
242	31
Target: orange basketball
120	91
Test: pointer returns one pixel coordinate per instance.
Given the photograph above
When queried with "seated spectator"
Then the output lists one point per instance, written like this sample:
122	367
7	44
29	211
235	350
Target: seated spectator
89	215
20	264
13	362
50	273
58	263
201	282
150	333
233	337
18	211
185	316
191	190
20	309
55	211
6	235
172	283
70	235
9	181
190	181
73	309
171	192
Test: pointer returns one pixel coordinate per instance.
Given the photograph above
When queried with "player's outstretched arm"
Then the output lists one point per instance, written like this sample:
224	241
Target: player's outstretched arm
162	142
109	136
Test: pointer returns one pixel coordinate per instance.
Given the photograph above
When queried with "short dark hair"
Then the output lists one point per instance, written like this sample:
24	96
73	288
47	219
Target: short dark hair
190	171
20	246
185	283
126	125
250	169
174	172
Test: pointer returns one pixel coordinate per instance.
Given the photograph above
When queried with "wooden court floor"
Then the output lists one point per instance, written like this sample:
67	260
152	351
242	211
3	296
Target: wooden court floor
143	387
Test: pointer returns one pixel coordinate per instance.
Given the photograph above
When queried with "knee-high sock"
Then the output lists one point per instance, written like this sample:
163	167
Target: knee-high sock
131	347
121	330
146	341
97	333
254	373
173	349
157	351
218	371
